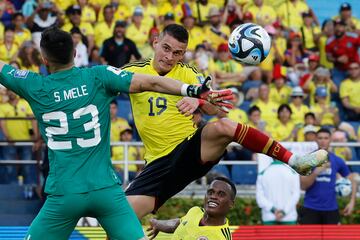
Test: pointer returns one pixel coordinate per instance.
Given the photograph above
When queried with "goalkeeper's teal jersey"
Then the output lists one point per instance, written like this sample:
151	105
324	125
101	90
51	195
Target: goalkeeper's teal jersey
73	113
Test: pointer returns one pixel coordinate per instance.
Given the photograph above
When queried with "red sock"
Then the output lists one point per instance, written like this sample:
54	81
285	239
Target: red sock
257	141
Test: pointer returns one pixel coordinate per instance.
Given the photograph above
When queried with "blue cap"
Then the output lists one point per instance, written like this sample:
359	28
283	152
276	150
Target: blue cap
321	92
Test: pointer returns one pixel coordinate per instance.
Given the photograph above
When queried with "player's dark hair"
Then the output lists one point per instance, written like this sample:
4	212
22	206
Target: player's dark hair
107	6
284	106
176	31
323	130
57	45
114	102
232	185
253	109
310	114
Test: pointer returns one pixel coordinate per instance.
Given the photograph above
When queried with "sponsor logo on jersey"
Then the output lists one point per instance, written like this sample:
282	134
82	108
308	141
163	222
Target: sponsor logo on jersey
21	73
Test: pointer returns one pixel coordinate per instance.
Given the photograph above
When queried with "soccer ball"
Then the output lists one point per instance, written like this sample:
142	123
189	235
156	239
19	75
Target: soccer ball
249	43
343	187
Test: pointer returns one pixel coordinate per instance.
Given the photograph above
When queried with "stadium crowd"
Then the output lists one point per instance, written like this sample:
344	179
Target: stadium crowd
310	79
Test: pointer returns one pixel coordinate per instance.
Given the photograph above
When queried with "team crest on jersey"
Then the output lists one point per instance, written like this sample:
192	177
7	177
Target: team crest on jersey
202	238
21	73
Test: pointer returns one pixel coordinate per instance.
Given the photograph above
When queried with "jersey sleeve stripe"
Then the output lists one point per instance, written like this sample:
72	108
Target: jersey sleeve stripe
225	233
194	69
137	64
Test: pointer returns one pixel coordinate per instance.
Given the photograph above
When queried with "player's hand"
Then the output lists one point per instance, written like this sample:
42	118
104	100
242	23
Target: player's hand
187	106
153	229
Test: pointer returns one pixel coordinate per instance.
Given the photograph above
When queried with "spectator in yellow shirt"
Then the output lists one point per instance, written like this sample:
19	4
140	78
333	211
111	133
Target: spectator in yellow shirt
310	33
267	107
22	34
263	14
326	115
200	9
104	29
138	31
29	57
196	34
172	6
117	123
279	91
254	119
343	152
349	93
309	120
150	11
298	108
226	71
118	154
148	49
321	78
290	13
216	33
88	13
8	49
74	14
327	31
18	130
284	128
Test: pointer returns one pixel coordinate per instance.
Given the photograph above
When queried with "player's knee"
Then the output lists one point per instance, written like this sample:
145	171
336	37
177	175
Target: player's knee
225	127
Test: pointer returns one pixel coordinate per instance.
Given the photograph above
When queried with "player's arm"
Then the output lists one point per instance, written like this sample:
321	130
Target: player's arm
166	226
143	82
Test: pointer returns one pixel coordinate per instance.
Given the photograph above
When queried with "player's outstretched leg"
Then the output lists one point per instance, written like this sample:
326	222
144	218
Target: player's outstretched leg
217	135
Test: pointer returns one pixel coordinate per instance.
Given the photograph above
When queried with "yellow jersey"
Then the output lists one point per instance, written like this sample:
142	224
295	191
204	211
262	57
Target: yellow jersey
350	89
118	154
116	127
85	28
6	54
213	38
17	129
102	32
196	37
281	132
139	36
308	34
322	52
327	116
298	114
203	9
290	14
189	228
159	123
168	8
268	111
312	91
281	95
88	14
230	66
21	37
237	115
264	16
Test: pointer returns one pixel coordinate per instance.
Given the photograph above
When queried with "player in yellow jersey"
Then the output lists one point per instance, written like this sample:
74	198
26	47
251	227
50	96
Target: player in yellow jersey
176	152
208	223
